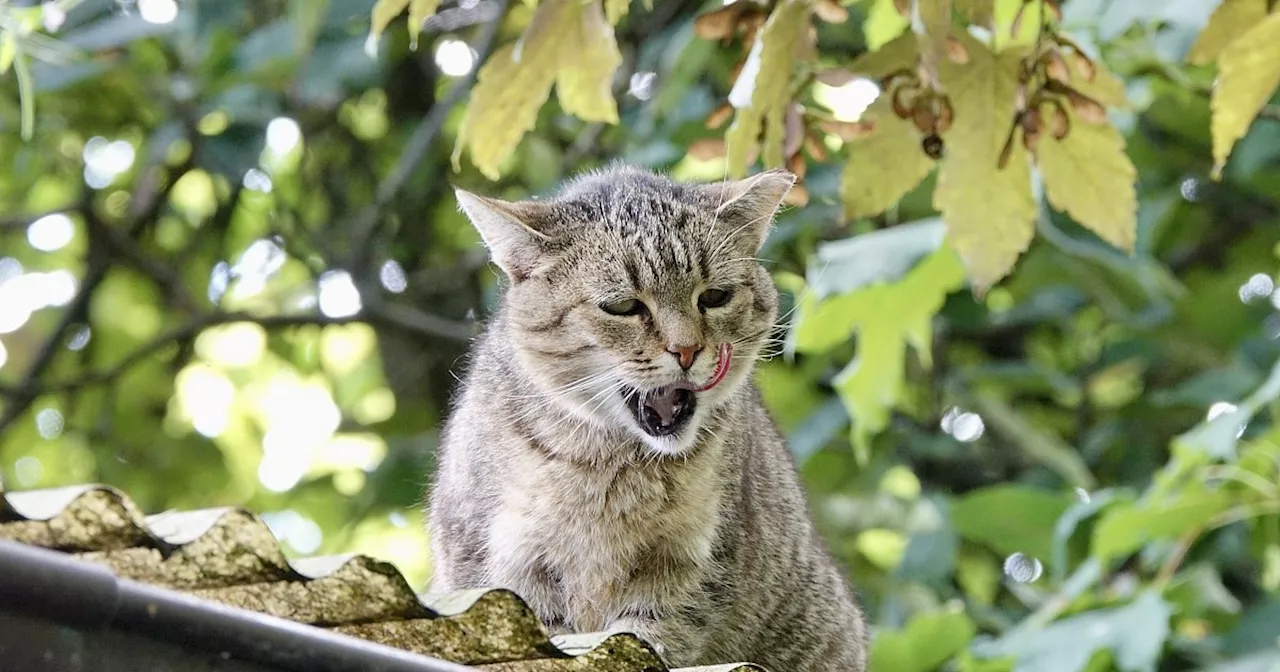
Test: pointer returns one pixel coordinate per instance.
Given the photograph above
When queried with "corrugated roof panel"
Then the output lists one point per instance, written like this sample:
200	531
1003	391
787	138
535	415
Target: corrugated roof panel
230	556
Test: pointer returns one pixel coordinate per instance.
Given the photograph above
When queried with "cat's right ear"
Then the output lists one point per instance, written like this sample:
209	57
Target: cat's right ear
510	231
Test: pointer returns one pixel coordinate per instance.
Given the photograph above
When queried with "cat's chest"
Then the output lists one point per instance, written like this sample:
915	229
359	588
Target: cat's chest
574	539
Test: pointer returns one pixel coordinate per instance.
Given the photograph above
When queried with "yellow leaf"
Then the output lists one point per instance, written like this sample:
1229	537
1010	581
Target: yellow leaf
568	43
766	75
898	54
1088	176
883	166
381	15
1106	88
978	12
886	318
8	49
934	25
1027	29
883	24
1248	74
1230	20
990	212
616	9
419	10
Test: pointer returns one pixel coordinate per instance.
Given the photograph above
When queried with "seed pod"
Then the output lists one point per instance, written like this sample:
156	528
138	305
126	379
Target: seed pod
1086	108
796	164
705	149
793	133
719	115
1030	120
1059	120
945	113
1055	66
813	145
956	51
720	24
831	11
923	117
848	130
1084	65
903	7
933	147
904	100
1016	27
798	196
1030	138
836	77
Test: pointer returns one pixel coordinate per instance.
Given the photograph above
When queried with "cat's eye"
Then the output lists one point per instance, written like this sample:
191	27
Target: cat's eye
624	307
714	298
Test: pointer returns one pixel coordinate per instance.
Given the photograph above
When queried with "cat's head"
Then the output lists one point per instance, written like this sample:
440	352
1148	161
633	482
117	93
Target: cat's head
628	291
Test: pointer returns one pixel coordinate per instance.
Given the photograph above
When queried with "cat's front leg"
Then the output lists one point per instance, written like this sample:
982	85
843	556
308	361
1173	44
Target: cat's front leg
675	636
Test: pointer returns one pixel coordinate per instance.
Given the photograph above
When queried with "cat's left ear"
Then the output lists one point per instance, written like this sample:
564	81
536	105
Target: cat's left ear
513	231
749	204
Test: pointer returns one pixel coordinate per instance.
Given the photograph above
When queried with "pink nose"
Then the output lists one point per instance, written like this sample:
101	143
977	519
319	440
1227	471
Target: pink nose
685	354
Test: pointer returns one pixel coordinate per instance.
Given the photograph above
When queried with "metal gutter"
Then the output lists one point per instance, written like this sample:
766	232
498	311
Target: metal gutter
51	585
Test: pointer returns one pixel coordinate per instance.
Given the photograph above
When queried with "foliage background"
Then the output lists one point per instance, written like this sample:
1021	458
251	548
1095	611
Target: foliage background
232	273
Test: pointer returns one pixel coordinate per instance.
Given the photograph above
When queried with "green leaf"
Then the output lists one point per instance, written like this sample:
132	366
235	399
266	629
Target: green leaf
886	318
765	77
8	49
419	11
568	43
927	641
885	255
1217	438
1009	519
1230	20
1248	74
1088	176
1126	527
990	212
1135	634
307	17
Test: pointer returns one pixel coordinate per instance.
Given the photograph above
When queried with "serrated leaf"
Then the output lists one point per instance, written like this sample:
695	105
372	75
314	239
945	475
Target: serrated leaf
927	641
616	9
866	187
381	15
568	43
978	12
766	77
932	29
1009	519
1248	74
1230	20
1088	176
897	54
1134	633
886	318
990	212
1127	527
419	10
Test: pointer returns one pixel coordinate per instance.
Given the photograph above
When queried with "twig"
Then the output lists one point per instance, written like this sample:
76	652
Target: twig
1269	112
394	315
366	224
164	276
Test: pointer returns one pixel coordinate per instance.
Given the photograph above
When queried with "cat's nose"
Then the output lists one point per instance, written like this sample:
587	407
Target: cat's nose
685	354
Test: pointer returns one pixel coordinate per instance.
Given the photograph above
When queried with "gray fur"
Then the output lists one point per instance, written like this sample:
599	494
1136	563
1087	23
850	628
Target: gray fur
701	543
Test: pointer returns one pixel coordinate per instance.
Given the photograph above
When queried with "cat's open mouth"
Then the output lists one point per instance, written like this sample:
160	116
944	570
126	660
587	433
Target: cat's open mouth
663	411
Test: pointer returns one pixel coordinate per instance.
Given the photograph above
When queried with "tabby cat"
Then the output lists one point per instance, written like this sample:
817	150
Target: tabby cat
609	459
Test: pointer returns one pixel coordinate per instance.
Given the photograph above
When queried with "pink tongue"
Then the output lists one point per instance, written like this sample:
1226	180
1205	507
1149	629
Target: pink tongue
724	355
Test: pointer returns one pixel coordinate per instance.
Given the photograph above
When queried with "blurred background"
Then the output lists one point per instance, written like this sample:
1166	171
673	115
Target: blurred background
232	273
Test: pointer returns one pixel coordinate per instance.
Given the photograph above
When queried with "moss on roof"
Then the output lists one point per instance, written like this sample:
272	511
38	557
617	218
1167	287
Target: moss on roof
229	556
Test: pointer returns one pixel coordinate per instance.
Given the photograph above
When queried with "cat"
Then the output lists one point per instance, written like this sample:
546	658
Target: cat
608	458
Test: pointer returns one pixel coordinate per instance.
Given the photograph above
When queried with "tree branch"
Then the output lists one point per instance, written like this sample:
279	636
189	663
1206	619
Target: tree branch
390	314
